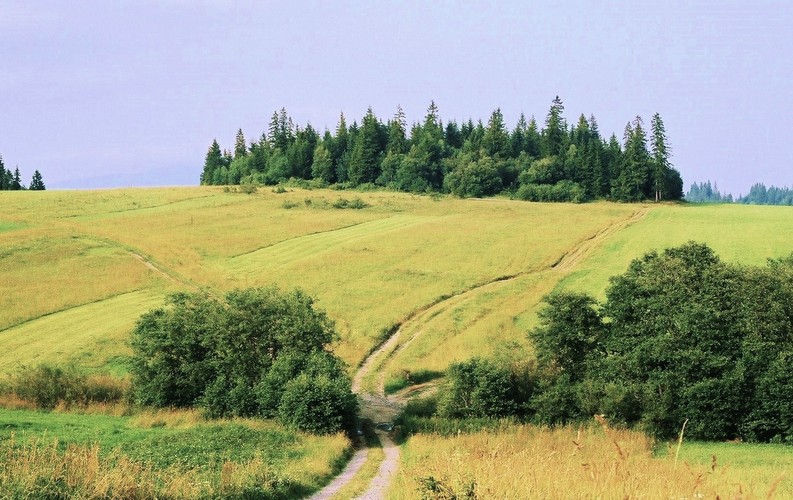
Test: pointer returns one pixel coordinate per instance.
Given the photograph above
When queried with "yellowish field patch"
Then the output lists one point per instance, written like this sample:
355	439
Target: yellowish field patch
90	335
744	234
520	461
45	271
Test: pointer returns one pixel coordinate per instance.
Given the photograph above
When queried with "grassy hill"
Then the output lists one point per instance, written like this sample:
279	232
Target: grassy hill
81	266
459	277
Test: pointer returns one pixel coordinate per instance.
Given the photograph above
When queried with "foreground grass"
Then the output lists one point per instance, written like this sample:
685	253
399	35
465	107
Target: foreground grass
517	461
171	454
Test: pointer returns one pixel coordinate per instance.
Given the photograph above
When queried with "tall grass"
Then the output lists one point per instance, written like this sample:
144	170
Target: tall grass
527	462
168	454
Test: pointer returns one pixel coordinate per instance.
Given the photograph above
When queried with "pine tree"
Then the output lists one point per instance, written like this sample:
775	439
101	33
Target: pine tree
16	182
555	129
496	139
212	162
661	165
240	148
37	183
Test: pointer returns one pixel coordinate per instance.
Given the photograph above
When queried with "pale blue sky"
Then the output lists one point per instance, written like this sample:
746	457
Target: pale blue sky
101	94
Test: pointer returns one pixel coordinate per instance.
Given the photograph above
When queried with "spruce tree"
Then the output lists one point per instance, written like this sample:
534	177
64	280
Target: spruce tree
240	148
397	130
518	139
2	175
16	182
37	183
633	183
339	151
496	139
322	164
533	139
365	162
212	163
661	153
555	129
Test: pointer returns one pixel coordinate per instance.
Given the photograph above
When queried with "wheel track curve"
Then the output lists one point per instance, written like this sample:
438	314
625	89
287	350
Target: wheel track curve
378	407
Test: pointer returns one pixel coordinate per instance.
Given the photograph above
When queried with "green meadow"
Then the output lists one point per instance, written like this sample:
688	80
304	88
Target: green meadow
460	278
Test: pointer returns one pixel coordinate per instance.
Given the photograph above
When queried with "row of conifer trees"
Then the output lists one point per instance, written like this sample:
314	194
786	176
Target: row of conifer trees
558	162
12	180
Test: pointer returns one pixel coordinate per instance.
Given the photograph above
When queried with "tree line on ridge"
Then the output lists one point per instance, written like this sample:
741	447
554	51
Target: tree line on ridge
559	162
12	181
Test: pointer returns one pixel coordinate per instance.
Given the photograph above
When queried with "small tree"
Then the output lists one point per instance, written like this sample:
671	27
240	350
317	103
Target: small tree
37	183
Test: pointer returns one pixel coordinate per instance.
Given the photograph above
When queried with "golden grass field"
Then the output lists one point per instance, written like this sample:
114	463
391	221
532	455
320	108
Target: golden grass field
462	277
526	462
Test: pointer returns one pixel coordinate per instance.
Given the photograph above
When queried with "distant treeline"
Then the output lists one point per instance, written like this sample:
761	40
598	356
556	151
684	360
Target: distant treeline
12	181
559	162
760	195
704	192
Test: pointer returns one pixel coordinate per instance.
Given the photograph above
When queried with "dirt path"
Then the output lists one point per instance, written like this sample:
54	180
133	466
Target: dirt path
382	409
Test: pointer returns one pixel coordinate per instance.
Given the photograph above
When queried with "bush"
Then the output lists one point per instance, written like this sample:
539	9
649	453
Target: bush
318	404
47	386
479	388
682	336
237	357
562	191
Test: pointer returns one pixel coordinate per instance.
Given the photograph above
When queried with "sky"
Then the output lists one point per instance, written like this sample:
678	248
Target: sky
132	93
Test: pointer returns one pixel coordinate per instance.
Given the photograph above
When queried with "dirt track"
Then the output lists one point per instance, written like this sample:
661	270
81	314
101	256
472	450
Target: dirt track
379	408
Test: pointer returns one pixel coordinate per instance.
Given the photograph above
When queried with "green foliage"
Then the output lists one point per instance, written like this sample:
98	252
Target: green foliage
320	404
233	357
562	191
480	388
48	385
704	192
470	178
570	332
759	194
37	182
560	163
683	336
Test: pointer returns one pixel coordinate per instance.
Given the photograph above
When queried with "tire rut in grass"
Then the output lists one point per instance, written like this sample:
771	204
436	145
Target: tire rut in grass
380	408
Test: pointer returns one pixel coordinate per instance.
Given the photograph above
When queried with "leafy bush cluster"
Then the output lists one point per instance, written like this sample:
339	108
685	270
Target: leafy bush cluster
681	336
47	386
259	352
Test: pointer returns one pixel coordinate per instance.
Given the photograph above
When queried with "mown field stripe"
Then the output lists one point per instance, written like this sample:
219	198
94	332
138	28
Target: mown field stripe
301	247
60	336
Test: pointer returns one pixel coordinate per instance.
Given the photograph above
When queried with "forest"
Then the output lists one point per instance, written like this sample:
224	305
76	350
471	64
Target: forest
12	181
557	162
759	194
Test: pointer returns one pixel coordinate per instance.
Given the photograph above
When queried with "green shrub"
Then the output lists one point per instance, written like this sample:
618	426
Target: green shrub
318	404
238	356
479	388
49	385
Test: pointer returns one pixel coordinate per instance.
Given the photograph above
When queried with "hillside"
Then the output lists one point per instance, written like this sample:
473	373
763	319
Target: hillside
446	279
80	267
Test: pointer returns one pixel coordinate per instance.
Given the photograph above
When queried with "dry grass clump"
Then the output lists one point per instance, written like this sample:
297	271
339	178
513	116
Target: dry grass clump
34	469
531	462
